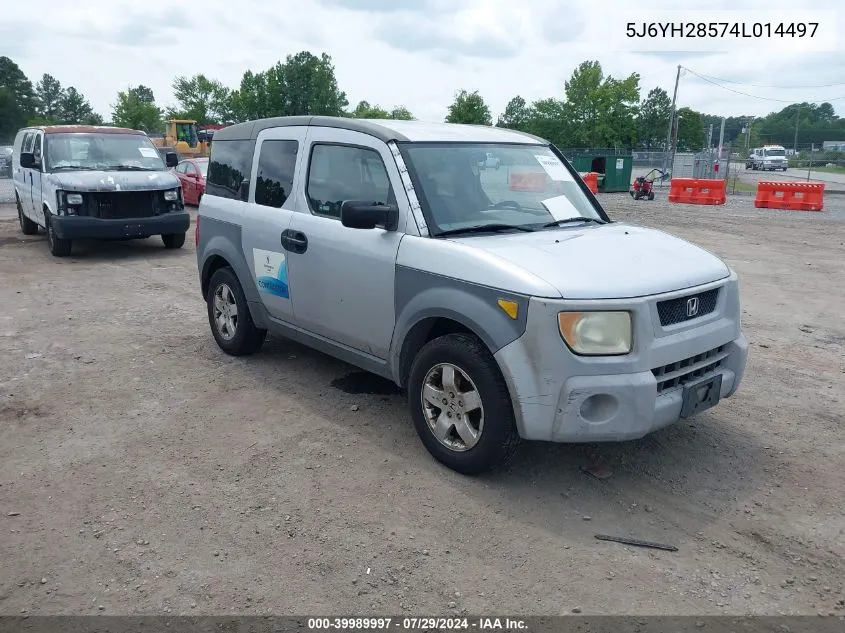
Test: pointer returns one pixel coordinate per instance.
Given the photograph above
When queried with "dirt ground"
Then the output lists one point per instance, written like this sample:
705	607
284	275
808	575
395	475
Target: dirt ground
144	472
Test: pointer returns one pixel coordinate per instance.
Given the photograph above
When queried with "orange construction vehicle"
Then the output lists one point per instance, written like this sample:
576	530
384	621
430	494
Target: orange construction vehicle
181	136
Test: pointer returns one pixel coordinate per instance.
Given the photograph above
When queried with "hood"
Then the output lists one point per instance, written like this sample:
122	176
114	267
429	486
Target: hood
612	261
83	181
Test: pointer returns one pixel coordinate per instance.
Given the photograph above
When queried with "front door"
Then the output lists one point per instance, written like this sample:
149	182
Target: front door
35	179
342	279
189	183
267	217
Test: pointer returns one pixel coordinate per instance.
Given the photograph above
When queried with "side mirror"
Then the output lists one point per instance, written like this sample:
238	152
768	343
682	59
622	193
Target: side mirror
28	160
171	159
357	214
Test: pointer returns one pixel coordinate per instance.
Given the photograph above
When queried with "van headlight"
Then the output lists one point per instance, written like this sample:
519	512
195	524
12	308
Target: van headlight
73	199
171	195
597	333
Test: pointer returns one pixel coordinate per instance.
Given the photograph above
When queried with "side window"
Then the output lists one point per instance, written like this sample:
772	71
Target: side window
190	169
276	164
27	142
229	168
341	172
181	168
36	147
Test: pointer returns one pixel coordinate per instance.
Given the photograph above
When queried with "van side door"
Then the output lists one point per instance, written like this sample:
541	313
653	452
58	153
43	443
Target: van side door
342	279
22	175
37	207
268	214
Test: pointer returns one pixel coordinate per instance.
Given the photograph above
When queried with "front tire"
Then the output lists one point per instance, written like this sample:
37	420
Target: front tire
58	246
460	405
229	317
173	240
28	227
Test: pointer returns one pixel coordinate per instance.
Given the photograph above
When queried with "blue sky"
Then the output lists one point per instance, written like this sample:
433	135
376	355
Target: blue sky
417	53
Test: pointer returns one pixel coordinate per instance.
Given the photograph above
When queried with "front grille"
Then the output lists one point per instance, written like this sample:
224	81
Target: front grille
681	372
126	204
677	310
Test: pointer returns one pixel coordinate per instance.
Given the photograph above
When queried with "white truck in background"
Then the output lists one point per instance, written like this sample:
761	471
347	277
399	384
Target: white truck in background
768	158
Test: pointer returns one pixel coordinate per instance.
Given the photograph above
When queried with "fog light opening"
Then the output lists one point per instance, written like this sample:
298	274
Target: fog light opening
599	408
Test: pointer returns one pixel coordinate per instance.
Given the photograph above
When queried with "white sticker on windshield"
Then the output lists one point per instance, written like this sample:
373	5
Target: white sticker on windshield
561	208
148	152
554	168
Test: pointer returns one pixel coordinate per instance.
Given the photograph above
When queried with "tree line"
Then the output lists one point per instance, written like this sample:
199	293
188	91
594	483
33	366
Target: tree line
594	110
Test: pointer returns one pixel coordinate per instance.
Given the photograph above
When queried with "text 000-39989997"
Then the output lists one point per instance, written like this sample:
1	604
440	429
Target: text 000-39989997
785	30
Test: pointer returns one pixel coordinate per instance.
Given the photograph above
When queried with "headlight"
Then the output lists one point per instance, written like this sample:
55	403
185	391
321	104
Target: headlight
596	333
171	195
73	198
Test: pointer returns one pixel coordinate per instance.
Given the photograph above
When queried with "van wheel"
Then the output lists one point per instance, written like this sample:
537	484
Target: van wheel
58	246
173	240
460	405
229	317
28	227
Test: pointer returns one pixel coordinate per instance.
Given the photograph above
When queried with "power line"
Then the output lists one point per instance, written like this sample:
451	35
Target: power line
742	83
745	94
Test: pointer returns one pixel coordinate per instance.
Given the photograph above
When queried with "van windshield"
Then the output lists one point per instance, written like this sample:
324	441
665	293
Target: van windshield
463	185
109	152
775	152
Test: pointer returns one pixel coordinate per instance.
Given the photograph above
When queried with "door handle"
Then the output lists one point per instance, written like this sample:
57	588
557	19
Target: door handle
294	241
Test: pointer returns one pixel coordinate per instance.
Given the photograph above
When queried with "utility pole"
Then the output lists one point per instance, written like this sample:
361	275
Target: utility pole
669	147
795	142
721	141
710	137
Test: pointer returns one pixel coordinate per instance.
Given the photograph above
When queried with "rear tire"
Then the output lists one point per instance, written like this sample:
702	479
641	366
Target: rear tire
28	227
58	246
476	428
229	317
173	240
651	196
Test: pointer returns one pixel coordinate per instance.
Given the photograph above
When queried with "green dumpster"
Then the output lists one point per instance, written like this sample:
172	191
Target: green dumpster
614	170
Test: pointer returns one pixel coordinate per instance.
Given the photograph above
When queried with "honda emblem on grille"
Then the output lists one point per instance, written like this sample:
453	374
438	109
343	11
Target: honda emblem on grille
692	306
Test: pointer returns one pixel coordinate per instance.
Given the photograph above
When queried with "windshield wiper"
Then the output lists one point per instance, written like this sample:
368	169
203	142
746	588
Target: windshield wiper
129	168
483	228
579	218
74	168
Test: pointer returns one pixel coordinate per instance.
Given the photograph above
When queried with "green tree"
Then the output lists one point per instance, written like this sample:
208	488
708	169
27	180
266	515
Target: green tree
516	114
690	130
401	113
547	119
366	111
136	109
17	99
653	120
76	110
201	99
49	95
602	110
303	84
469	107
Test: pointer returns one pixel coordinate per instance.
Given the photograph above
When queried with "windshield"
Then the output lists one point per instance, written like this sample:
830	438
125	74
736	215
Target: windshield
463	185
101	152
775	152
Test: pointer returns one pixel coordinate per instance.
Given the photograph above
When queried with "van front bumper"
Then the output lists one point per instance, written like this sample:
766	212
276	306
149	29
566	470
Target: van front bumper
560	397
75	227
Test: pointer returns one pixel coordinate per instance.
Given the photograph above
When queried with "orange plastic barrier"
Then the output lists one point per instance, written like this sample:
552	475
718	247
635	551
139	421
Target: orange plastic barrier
794	196
697	191
527	181
591	179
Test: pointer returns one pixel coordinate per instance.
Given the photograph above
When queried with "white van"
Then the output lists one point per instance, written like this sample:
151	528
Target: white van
768	158
95	182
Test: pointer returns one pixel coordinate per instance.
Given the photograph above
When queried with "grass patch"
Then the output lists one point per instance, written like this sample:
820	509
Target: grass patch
829	170
738	186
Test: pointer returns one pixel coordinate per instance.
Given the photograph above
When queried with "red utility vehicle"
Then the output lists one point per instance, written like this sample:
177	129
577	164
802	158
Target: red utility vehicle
191	174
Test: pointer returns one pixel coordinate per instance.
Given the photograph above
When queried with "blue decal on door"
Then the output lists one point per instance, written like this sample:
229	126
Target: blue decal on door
271	273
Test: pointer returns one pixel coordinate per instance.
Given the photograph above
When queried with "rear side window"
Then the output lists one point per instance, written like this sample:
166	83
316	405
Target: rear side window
344	172
26	146
276	164
228	170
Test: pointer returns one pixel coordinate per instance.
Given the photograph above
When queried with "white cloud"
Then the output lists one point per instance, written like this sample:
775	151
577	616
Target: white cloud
416	53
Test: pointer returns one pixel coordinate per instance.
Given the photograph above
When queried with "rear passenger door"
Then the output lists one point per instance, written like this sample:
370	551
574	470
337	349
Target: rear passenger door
342	279
268	215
